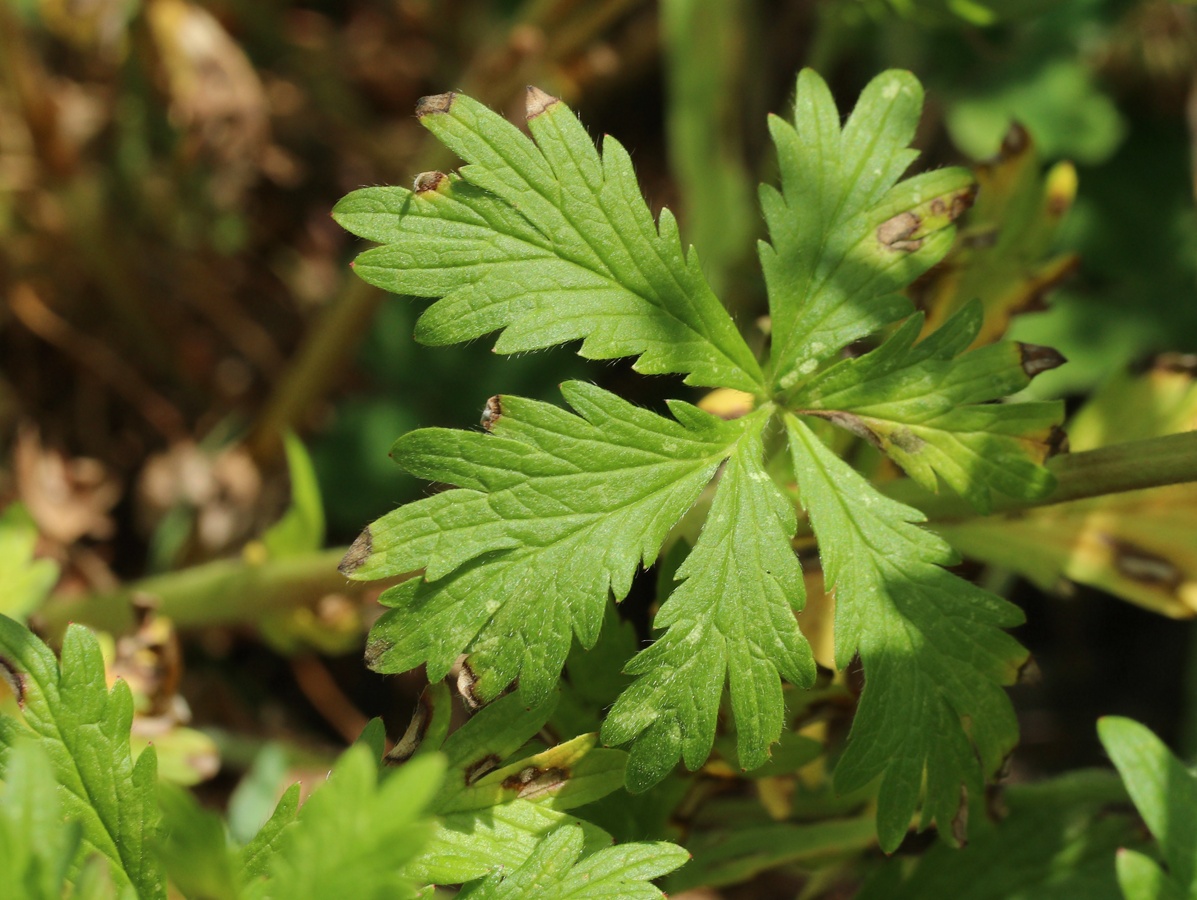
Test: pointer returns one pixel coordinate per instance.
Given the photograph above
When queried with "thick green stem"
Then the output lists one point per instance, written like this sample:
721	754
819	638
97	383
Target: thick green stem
224	592
1131	466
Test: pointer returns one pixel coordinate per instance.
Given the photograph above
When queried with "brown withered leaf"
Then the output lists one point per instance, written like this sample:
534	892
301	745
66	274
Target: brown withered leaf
1001	250
68	498
150	662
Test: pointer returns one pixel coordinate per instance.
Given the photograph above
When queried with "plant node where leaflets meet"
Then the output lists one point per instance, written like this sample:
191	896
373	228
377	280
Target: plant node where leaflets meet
547	240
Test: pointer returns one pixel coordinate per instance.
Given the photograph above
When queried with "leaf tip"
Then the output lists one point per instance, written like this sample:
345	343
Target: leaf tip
492	413
428	181
376	649
435	104
357	554
1036	359
15	679
538	101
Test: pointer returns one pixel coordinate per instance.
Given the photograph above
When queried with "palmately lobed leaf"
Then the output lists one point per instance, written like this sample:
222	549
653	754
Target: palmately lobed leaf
353	835
558	870
730	621
933	721
845	235
83	728
548	242
928	408
556	511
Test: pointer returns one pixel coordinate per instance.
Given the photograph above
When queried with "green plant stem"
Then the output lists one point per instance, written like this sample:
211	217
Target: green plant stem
1131	466
235	591
224	592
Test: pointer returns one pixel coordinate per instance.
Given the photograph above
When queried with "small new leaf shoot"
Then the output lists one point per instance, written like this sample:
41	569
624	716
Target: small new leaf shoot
83	728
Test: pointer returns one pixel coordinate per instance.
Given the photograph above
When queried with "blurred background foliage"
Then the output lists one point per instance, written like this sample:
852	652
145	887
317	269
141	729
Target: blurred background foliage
174	297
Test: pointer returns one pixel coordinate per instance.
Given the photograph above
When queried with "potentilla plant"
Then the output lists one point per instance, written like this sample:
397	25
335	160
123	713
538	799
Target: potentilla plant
554	510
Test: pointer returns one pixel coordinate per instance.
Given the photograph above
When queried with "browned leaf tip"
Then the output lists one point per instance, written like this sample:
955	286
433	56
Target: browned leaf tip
358	553
1057	441
1036	359
533	780
15	679
467	686
1145	567
414	736
1029	672
958	203
428	181
1016	141
434	104
493	412
375	651
538	101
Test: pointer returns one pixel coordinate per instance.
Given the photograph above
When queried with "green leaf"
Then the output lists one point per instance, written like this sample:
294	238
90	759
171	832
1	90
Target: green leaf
735	854
255	856
548	242
496	804
555	511
38	848
194	847
24	581
928	409
933	719
554	871
353	835
1056	841
83	728
1141	878
732	620
301	529
1164	791
845	235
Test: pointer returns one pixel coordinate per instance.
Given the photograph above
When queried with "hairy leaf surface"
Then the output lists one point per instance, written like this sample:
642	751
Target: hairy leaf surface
731	620
353	835
928	409
557	871
84	730
496	804
549	242
845	235
555	510
933	720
